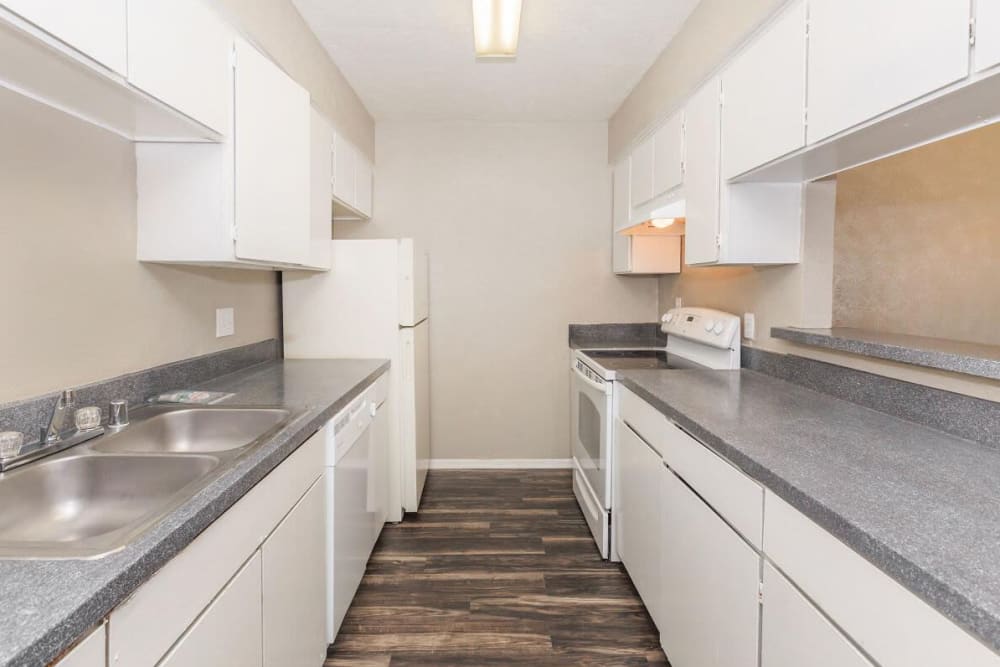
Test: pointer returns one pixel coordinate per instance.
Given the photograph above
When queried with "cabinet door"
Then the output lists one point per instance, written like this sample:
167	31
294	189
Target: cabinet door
363	184
764	92
668	155
194	79
95	28
227	633
641	178
987	50
272	162
344	174
795	633
710	581
701	177
91	652
867	57
638	519
320	192
294	585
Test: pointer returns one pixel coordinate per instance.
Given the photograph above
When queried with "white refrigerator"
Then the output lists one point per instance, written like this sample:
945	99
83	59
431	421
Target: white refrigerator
373	303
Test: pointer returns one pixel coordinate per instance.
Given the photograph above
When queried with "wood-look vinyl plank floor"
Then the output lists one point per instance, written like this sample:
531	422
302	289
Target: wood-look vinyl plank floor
497	568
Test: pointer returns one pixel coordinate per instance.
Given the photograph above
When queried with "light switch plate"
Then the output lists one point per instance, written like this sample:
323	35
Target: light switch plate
749	326
225	322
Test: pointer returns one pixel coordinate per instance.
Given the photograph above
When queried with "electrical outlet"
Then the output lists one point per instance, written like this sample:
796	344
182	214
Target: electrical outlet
678	302
749	326
225	322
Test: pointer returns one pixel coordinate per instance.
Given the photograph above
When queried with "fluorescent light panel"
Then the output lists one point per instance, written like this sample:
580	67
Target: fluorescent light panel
496	24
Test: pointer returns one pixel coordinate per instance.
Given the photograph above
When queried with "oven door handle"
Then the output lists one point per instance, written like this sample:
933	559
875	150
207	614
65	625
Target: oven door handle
604	387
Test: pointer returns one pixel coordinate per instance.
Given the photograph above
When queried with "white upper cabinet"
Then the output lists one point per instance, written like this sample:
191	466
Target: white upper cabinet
272	162
867	57
764	96
701	177
320	192
245	201
668	155
363	185
641	179
353	181
95	28
344	175
179	52
987	49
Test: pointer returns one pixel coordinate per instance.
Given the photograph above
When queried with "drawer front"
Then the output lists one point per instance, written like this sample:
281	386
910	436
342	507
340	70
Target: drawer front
736	497
148	623
644	419
795	633
890	623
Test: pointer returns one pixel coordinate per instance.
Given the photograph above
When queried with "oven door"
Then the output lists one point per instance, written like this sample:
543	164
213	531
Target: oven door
591	427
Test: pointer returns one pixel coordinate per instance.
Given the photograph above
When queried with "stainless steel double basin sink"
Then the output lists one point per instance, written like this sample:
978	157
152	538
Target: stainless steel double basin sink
95	498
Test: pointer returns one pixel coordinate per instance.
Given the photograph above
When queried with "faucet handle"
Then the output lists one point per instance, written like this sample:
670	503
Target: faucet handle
118	414
68	398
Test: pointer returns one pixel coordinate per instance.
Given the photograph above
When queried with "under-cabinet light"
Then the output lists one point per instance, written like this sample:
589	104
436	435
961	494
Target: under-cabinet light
662	223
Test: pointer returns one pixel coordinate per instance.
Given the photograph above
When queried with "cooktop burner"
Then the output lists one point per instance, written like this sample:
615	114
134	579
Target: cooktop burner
627	360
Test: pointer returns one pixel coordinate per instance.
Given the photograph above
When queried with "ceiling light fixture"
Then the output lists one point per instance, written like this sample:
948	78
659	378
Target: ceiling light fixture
662	223
495	26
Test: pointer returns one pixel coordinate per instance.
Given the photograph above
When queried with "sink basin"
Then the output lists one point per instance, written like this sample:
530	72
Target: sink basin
193	430
86	505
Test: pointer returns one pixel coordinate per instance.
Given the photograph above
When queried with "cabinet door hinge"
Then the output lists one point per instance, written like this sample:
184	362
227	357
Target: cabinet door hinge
760	592
972	31
232	57
718	240
236	232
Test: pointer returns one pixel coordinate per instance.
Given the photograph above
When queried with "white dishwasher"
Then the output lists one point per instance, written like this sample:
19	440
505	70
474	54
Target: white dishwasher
356	499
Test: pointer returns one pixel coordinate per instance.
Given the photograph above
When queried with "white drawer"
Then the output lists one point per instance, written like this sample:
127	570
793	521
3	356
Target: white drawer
890	623
736	497
644	419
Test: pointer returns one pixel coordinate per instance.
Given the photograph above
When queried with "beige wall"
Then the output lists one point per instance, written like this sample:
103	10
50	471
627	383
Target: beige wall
515	217
712	31
276	27
77	306
917	243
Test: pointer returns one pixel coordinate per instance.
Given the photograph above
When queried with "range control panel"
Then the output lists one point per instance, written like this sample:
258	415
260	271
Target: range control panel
703	325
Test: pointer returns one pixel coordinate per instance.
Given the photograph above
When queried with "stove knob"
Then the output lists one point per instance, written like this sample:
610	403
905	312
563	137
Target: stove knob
718	328
709	325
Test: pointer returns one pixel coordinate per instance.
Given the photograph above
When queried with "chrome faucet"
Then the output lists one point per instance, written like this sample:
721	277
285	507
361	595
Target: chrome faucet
61	414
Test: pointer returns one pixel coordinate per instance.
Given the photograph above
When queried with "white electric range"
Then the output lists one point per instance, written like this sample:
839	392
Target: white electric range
697	338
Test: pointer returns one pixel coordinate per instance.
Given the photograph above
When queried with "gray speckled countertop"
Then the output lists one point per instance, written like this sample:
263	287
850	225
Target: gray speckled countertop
949	355
46	605
919	504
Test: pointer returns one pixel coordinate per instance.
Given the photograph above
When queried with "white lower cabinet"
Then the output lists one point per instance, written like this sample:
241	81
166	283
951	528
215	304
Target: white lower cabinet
91	652
294	586
795	633
710	580
188	591
636	520
226	633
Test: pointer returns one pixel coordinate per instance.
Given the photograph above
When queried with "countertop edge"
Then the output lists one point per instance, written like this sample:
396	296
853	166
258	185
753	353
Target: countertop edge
979	623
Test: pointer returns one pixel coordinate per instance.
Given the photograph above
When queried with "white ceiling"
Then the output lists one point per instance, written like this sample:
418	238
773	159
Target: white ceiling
414	59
